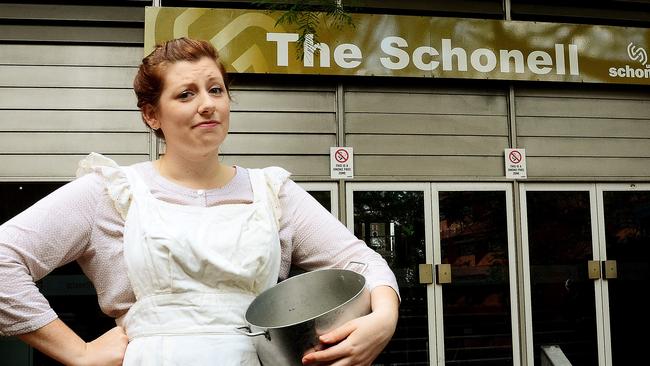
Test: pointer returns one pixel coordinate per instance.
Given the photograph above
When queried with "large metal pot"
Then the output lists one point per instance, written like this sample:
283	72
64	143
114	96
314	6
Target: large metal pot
287	319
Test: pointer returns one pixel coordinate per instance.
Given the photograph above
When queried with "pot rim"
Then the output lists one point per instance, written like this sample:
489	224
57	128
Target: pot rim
352	298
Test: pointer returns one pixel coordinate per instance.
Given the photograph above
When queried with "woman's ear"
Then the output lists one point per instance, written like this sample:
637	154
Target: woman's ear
149	116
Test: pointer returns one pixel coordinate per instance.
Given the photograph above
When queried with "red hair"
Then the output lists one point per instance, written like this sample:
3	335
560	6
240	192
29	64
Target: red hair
149	81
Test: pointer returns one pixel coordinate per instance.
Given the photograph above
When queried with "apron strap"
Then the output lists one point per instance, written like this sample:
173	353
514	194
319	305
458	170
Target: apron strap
258	183
136	183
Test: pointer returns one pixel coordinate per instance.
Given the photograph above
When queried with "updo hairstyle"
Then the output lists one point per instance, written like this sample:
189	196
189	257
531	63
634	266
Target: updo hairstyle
149	81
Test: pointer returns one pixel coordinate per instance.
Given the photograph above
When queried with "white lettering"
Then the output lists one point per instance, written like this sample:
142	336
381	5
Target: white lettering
612	72
309	47
402	57
573	60
629	72
559	59
516	56
537	59
448	53
282	40
347	55
418	58
489	56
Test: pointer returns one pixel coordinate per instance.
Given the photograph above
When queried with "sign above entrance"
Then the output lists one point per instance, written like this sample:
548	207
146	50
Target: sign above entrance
515	163
341	163
250	41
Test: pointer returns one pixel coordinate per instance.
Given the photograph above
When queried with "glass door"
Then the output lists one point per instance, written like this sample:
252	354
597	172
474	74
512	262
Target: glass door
561	257
476	304
391	219
624	211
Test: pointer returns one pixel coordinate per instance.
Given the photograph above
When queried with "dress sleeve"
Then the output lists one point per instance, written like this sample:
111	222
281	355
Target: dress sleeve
53	232
319	240
117	183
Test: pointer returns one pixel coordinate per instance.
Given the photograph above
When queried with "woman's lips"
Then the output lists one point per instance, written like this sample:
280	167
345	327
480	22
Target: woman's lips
207	124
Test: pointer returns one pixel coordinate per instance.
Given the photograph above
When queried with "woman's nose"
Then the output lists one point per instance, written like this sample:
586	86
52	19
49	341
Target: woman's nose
208	104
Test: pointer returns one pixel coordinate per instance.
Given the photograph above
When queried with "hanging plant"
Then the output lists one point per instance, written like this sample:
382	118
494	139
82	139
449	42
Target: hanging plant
306	16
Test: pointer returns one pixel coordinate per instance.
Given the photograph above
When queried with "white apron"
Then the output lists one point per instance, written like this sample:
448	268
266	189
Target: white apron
194	271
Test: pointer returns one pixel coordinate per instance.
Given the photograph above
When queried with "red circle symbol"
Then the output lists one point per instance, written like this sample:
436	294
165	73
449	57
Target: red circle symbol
515	157
341	155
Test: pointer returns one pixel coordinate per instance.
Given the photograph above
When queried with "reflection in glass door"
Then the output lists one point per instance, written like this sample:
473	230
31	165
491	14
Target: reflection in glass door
478	303
391	220
625	211
559	236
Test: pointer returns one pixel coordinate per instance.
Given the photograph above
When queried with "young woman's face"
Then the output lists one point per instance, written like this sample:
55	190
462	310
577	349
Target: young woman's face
194	108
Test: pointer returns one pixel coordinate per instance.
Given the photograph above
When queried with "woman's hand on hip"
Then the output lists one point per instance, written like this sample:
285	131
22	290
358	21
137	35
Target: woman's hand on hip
107	350
58	341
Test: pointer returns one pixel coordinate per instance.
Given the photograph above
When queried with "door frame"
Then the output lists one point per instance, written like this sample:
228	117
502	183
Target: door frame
433	251
425	188
598	286
602	239
512	258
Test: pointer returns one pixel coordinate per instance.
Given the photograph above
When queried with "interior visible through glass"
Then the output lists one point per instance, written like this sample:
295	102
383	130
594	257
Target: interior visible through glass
392	223
476	304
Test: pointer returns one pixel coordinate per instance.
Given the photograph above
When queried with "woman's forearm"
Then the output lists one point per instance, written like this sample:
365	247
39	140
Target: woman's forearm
59	342
383	299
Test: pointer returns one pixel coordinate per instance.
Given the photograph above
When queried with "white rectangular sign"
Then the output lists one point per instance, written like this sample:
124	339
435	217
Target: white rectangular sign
341	163
515	160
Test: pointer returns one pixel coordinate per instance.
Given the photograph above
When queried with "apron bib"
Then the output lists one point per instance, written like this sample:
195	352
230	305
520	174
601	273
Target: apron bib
194	271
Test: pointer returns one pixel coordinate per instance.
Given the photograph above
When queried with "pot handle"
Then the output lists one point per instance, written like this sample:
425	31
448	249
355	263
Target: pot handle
364	265
246	330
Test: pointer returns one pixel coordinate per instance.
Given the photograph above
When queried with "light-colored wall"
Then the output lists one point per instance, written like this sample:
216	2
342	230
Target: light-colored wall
579	132
60	101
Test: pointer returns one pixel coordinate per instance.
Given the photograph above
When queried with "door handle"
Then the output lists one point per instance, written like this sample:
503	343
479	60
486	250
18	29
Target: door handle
425	273
609	267
593	270
443	273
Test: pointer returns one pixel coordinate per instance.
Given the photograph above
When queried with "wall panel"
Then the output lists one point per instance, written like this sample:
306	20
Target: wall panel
423	130
59	103
577	132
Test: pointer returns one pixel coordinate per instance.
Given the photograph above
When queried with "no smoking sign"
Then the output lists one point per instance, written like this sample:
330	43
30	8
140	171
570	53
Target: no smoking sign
515	160
341	163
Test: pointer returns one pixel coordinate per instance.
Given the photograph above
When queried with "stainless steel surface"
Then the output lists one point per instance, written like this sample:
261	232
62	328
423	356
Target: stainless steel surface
286	320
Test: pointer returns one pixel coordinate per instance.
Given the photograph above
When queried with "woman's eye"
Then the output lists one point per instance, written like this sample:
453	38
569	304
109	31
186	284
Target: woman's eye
185	95
216	90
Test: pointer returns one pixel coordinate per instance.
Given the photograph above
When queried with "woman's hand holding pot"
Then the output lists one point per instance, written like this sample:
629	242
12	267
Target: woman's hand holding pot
359	341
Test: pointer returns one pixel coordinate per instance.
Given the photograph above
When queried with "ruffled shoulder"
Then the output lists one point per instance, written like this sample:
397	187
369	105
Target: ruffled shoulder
118	186
275	177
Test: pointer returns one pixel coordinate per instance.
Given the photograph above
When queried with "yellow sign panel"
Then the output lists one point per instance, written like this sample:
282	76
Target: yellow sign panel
250	41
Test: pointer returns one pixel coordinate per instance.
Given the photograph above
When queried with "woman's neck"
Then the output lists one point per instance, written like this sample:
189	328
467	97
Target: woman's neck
200	173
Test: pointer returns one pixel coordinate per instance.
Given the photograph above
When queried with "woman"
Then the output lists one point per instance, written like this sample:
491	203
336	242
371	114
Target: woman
179	247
